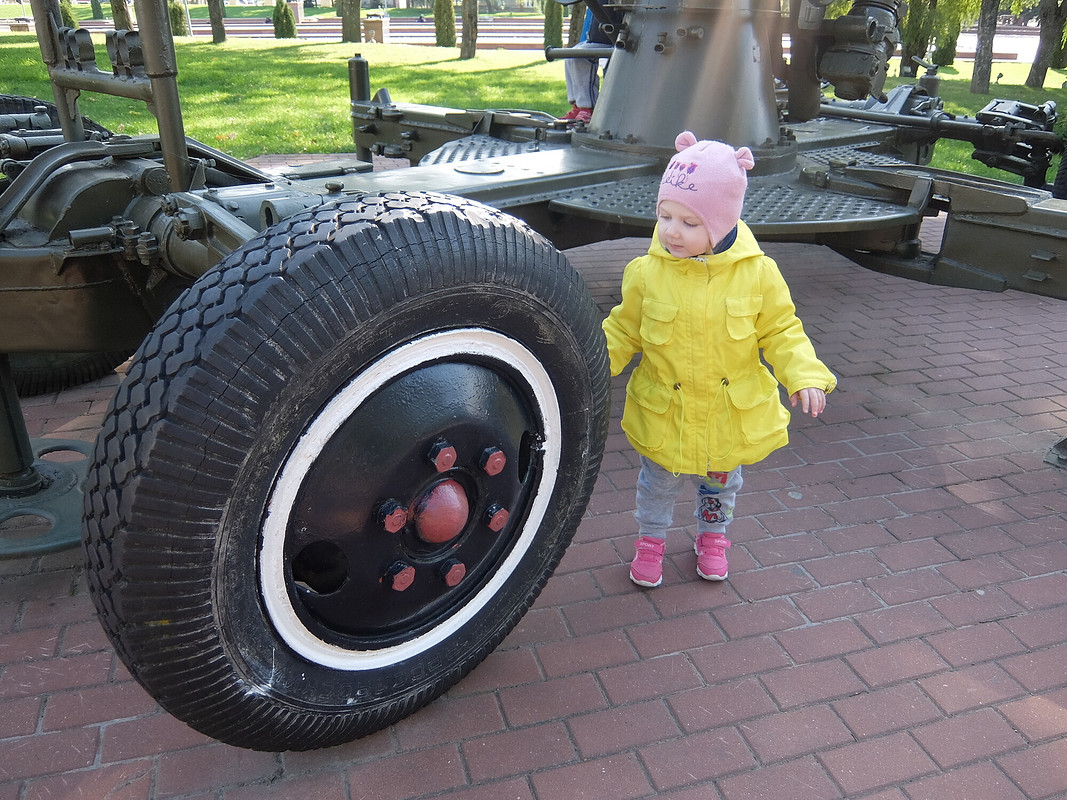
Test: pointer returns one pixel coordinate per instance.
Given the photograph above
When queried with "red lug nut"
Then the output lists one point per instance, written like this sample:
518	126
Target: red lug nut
442	455
452	572
492	461
399	576
392	516
496	517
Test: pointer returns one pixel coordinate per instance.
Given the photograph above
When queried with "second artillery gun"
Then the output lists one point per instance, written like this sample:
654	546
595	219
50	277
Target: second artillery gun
366	409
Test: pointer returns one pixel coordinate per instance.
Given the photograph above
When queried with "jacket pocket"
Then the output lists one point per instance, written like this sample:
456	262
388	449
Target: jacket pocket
741	313
645	415
758	403
657	321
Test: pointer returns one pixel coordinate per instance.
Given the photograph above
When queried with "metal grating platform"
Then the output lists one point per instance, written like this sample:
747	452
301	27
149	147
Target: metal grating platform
774	205
478	146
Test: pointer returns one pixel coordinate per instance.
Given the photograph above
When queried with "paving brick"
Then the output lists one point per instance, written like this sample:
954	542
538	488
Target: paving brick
776	782
617	729
422	772
129	781
537	626
514	789
877	763
753	619
548	700
977	782
657	677
1038	717
771	582
97	704
901	622
211	767
975	643
720	705
1038	771
695	758
518	752
1040	560
449	719
47	753
331	786
969	737
844	568
980	605
919	584
897	662
674	635
34	644
812	683
1032	594
502	667
972	687
56	674
824	640
613	778
147	736
1039	629
1039	671
882	711
590	652
608	613
794	733
729	660
19	717
835	602
912	555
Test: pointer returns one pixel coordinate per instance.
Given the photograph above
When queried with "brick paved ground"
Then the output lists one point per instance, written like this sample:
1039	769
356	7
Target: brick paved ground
894	626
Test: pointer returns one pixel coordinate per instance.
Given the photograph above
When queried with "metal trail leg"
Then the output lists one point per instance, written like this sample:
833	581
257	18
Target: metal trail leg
32	487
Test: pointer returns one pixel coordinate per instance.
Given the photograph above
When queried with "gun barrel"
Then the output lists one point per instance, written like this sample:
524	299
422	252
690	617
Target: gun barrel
944	125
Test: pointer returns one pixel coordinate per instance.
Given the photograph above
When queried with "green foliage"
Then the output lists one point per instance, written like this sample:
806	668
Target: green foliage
553	24
178	24
66	11
284	21
444	22
945	52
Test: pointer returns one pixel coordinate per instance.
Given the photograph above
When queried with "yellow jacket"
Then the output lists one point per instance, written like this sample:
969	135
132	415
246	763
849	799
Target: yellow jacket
701	399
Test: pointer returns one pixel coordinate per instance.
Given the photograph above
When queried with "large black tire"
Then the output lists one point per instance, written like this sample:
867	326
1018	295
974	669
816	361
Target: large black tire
40	373
400	356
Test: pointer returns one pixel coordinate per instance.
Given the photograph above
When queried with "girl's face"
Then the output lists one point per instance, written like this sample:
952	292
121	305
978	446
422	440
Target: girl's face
681	232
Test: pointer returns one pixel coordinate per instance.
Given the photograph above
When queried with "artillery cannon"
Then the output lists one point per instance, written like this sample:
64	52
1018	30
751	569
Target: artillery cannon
364	417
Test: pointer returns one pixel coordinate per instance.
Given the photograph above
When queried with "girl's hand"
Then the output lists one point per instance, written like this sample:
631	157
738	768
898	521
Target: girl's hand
812	401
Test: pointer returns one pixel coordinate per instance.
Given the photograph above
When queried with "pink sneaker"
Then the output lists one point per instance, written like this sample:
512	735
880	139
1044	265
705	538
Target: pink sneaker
584	115
711	556
647	566
570	115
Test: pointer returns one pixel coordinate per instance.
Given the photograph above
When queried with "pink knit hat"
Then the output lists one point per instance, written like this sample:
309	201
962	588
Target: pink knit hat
709	179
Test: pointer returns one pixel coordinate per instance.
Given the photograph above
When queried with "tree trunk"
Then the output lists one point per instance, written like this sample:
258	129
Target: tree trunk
350	21
216	12
577	20
983	53
1051	17
469	46
120	13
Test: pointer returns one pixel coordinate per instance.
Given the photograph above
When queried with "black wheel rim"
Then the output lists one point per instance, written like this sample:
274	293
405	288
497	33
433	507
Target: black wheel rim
409	499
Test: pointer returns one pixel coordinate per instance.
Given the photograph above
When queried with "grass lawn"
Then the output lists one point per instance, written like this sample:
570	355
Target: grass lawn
251	97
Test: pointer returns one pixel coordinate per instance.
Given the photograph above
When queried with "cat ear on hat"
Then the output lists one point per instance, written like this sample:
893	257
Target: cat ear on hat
683	140
745	159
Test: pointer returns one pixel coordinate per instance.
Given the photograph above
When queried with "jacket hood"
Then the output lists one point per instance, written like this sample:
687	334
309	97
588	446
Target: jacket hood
745	246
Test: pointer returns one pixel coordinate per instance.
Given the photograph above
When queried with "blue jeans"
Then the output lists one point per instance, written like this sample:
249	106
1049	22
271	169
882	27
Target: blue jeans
658	488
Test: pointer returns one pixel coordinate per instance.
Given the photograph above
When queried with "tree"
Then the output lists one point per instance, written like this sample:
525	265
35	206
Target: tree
284	21
553	24
178	24
916	30
444	23
97	9
1052	17
216	10
577	20
120	13
470	30
66	12
349	13
983	53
